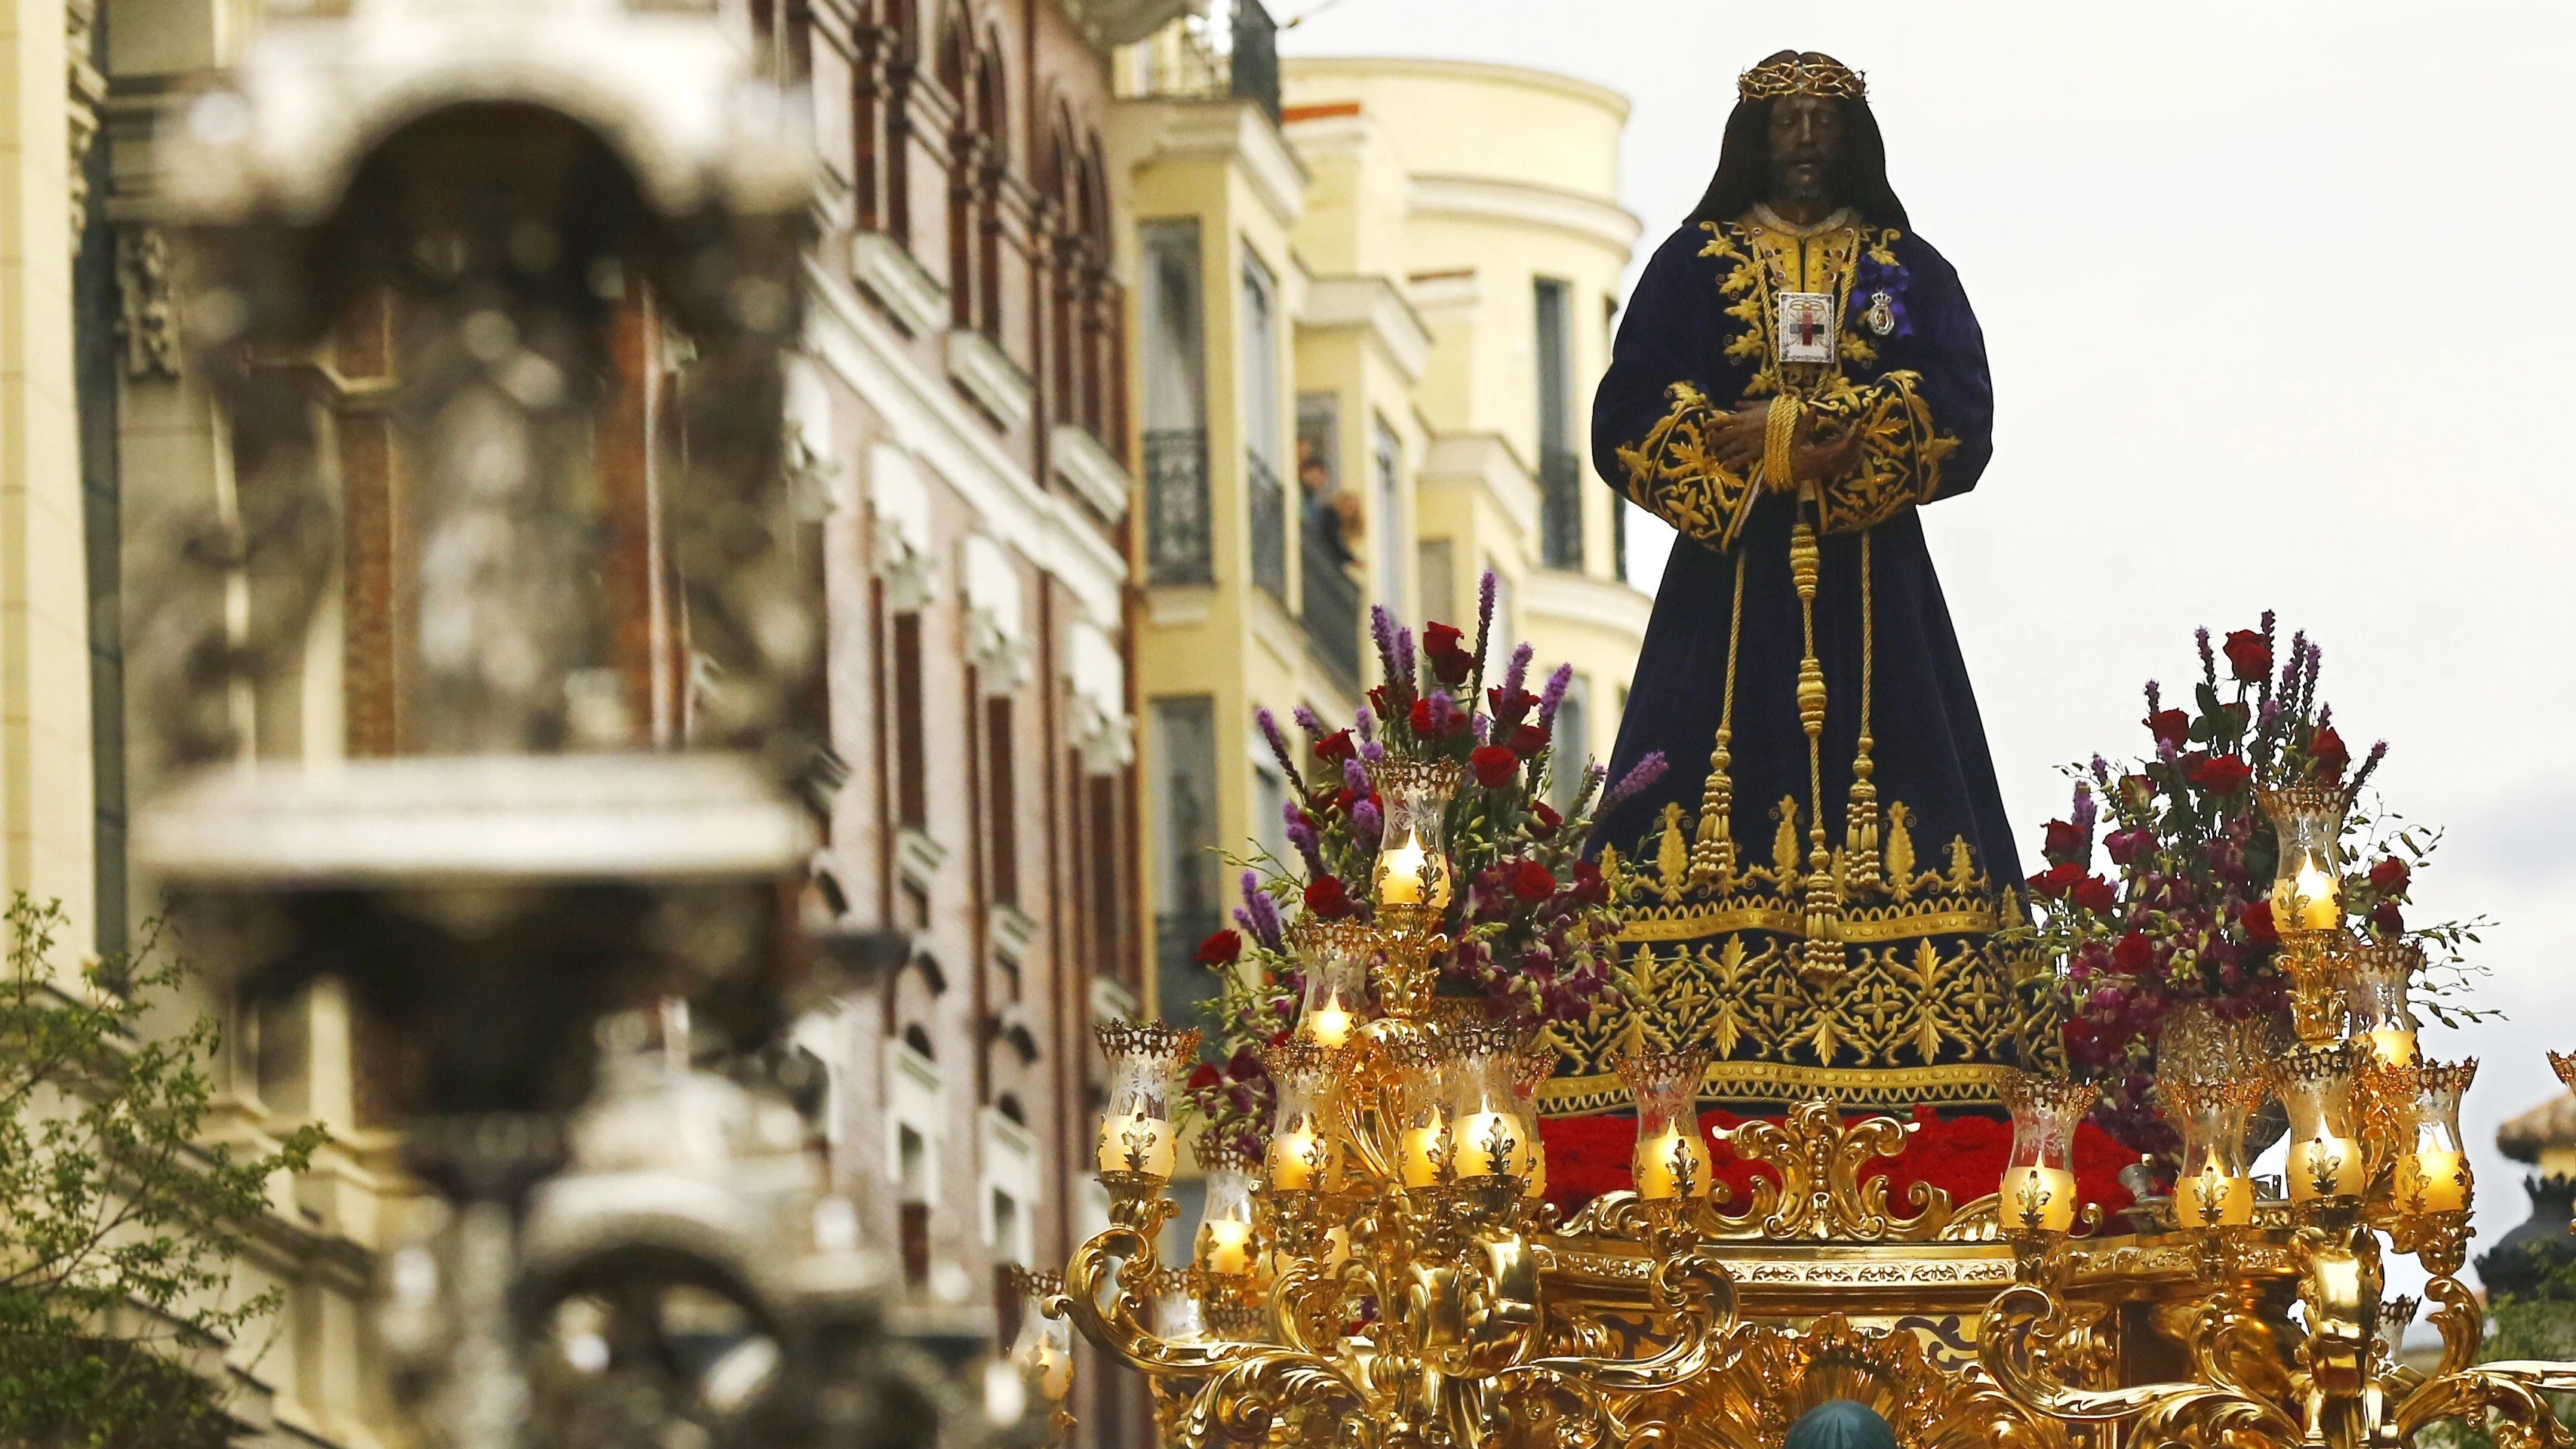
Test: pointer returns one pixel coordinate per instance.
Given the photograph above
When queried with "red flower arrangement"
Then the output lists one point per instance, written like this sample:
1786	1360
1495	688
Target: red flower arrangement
1961	1155
2183	916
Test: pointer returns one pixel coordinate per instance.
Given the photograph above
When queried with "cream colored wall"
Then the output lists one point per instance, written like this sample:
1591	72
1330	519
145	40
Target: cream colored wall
1466	118
45	799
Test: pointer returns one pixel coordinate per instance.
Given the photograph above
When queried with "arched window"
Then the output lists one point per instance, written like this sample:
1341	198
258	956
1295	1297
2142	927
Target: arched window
1061	279
784	30
919	1040
993	152
1103	345
958	73
881	74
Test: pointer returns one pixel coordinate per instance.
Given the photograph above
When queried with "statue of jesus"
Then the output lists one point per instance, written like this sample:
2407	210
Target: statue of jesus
1797	374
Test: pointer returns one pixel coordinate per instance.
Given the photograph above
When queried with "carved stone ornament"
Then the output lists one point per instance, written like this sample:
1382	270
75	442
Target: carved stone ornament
147	302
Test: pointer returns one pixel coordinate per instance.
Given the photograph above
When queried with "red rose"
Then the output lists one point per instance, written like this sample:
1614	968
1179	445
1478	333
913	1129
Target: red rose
2056	881
2138	789
1326	898
1527	740
2169	726
1420	719
1204	1077
2256	920
1377	701
1532	881
1337	746
2390	877
2249	654
2221	774
1544	821
2094	894
1589	887
2127	847
1222	949
2064	843
1453	667
1509	708
2326	748
1439	638
1494	765
2387	920
2131	956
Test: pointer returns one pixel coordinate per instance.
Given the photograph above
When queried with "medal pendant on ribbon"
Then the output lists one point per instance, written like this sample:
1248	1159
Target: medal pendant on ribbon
1806	327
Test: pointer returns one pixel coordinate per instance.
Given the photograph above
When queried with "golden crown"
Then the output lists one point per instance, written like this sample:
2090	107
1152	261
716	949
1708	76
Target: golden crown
1809	74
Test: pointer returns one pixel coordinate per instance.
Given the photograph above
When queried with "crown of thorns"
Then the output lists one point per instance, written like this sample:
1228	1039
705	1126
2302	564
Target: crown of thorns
1802	75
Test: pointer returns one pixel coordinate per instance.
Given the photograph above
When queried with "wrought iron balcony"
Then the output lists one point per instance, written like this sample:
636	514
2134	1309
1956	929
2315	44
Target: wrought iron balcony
1332	612
1231	52
1266	509
1178	546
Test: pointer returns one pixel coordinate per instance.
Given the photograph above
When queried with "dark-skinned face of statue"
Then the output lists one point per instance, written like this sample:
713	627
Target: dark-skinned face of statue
1806	147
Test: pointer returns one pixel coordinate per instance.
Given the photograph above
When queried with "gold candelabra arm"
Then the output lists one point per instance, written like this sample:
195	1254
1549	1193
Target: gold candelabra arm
2462	1322
2028	1343
1122	1259
1696	1297
2508	1398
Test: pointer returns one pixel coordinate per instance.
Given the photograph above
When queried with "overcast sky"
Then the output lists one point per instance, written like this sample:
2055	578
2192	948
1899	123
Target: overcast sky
2272	299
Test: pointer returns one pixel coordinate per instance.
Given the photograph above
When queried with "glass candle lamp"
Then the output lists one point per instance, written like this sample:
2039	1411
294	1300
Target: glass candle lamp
2307	883
2314	1084
2212	1188
1421	1100
1487	1134
1225	1247
1179	1314
2375	995
1413	854
2037	1193
1672	1159
1335	955
1305	1154
1138	1136
1043	1351
2432	1175
1532	1065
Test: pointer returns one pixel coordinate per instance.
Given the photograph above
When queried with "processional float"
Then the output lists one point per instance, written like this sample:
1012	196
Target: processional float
1390	1277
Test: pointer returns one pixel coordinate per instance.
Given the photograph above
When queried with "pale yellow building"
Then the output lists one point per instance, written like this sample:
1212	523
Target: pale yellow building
1367	332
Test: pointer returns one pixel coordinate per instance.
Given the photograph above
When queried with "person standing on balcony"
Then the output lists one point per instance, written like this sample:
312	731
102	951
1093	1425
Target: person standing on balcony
1795	376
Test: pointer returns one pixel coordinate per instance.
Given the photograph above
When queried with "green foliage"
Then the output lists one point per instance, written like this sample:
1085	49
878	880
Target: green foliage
2536	1323
118	1226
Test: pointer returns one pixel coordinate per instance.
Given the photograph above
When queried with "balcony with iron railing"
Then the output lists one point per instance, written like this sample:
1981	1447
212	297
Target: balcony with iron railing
1266	519
1560	494
1231	52
1332	607
1179	546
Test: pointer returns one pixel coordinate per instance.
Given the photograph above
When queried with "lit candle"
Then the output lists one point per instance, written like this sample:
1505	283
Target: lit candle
2310	900
1225	1246
1054	1368
1401	872
2324	1166
1665	1160
1327	1025
1296	1155
1134	1142
2038	1197
1425	1149
2394	1046
1480	1134
2433	1182
2211	1198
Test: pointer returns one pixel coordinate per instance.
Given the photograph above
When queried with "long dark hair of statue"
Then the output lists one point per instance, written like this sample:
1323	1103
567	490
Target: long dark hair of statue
1744	167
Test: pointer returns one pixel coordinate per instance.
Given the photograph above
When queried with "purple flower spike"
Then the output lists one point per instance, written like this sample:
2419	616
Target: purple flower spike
1487	589
1483	728
1442	712
1310	722
1516	673
2085	811
1365	726
1407	667
1278	743
1554	695
1373	752
1367	825
1260	914
1355	778
1382	633
1640	775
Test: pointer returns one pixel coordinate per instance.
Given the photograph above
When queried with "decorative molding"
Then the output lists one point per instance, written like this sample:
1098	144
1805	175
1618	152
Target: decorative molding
917	858
147	302
1013	933
1374	303
1582	599
1228	130
997	628
85	92
887	273
1179	606
1086	468
1484	461
900	530
1445	291
1588	217
987	375
1099	726
1122	22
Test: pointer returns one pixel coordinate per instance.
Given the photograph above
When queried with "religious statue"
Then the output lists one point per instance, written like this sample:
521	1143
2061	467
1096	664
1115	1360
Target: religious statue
1796	375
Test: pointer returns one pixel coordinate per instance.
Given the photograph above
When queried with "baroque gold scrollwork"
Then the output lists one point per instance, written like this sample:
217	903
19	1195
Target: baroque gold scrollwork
1818	1192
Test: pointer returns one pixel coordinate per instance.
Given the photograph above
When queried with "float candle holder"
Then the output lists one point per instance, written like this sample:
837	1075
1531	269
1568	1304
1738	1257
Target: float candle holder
1335	957
2376	996
2212	1188
1043	1351
1305	1156
2314	1084
2037	1193
1424	1144
1532	1065
1138	1137
2307	884
1225	1247
1487	1134
1413	858
1672	1160
2432	1174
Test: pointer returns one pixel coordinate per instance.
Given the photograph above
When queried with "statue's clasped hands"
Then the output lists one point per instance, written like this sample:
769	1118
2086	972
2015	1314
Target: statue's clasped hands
1737	440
